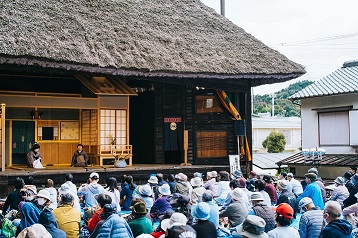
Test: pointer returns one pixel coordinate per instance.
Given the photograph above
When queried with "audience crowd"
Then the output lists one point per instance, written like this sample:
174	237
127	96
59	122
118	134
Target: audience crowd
218	205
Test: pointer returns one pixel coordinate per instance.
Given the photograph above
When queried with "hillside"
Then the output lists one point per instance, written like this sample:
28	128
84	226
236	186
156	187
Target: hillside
283	106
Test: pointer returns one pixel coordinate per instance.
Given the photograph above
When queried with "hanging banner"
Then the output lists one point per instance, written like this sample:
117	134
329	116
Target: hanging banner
234	163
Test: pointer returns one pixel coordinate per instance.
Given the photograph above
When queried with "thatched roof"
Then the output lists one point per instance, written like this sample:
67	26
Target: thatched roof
182	38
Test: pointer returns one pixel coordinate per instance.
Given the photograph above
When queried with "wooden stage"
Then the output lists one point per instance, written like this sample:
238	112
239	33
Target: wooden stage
140	173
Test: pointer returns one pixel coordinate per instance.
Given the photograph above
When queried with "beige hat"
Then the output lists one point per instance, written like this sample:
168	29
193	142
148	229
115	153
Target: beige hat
253	227
283	184
196	182
237	194
44	194
182	177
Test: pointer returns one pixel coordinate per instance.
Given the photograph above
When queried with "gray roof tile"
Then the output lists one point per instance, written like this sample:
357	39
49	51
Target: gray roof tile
342	81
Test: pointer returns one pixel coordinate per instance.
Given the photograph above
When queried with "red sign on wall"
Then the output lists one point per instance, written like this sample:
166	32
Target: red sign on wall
172	119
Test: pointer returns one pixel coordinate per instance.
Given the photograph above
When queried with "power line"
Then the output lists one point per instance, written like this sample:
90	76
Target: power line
293	43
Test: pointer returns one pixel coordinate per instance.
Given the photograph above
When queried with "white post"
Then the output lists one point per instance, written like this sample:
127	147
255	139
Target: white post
273	105
222	7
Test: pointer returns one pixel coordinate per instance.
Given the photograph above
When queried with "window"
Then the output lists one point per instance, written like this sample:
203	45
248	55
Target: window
207	104
334	128
288	136
113	128
211	144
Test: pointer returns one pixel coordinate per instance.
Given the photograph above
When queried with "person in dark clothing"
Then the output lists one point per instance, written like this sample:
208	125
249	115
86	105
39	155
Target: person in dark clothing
336	227
203	227
34	155
351	198
286	196
48	220
171	182
161	180
79	158
127	192
14	198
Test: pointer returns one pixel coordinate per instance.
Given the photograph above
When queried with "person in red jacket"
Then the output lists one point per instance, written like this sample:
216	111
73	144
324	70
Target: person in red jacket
102	200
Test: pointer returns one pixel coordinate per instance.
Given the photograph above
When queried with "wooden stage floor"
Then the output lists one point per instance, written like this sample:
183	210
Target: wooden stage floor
140	173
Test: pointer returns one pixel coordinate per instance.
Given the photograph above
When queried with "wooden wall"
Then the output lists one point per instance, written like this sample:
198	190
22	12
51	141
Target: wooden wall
57	153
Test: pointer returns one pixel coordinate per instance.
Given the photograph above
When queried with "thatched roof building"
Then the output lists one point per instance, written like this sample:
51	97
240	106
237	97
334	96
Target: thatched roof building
159	39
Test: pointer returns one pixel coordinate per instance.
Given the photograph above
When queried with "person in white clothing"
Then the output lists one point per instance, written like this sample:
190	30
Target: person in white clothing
71	185
260	187
112	190
295	184
49	186
284	216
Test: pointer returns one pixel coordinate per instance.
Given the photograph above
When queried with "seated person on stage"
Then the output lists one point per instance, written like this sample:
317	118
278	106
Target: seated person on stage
79	158
34	157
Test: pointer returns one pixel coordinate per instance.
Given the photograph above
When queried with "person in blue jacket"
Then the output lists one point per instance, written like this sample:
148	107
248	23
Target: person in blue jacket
312	191
127	191
48	220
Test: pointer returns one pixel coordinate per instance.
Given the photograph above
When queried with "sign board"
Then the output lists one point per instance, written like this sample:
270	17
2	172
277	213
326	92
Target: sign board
234	163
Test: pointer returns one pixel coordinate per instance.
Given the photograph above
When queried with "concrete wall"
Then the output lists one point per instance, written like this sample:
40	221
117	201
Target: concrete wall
310	130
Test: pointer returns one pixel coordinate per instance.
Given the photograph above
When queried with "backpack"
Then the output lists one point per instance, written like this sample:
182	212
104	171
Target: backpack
7	228
181	188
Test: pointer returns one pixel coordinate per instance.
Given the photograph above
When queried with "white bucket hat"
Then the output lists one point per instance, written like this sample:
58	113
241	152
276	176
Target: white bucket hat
44	194
145	190
153	179
164	189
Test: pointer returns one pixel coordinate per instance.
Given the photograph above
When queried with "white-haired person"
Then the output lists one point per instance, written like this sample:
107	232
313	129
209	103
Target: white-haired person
335	227
310	224
340	192
295	184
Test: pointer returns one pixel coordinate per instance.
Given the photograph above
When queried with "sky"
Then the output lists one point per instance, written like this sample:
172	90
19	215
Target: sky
318	34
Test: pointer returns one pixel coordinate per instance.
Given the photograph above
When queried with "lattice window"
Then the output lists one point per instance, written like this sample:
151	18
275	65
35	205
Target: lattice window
113	128
211	144
288	136
207	104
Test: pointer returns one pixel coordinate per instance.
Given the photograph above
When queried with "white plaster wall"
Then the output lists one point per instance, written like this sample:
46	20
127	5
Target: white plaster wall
310	137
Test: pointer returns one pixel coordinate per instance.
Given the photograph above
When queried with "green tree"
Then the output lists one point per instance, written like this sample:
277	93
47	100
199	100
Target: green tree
275	142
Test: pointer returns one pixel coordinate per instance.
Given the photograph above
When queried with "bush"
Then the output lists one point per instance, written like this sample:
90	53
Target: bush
275	142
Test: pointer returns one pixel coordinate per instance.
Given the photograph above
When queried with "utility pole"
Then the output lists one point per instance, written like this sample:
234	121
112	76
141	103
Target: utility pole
222	7
273	104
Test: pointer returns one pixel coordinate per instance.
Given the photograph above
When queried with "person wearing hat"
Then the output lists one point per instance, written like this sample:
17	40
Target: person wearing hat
176	226
237	210
48	220
319	181
182	186
89	191
340	192
310	225
198	189
35	230
29	214
153	183
252	227
283	176
203	227
68	180
336	227
286	196
270	189
284	215
44	200
161	205
262	210
295	184
140	224
312	191
212	182
145	192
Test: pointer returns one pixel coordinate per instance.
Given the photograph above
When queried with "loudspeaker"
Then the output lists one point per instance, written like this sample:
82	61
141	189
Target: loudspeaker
240	127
